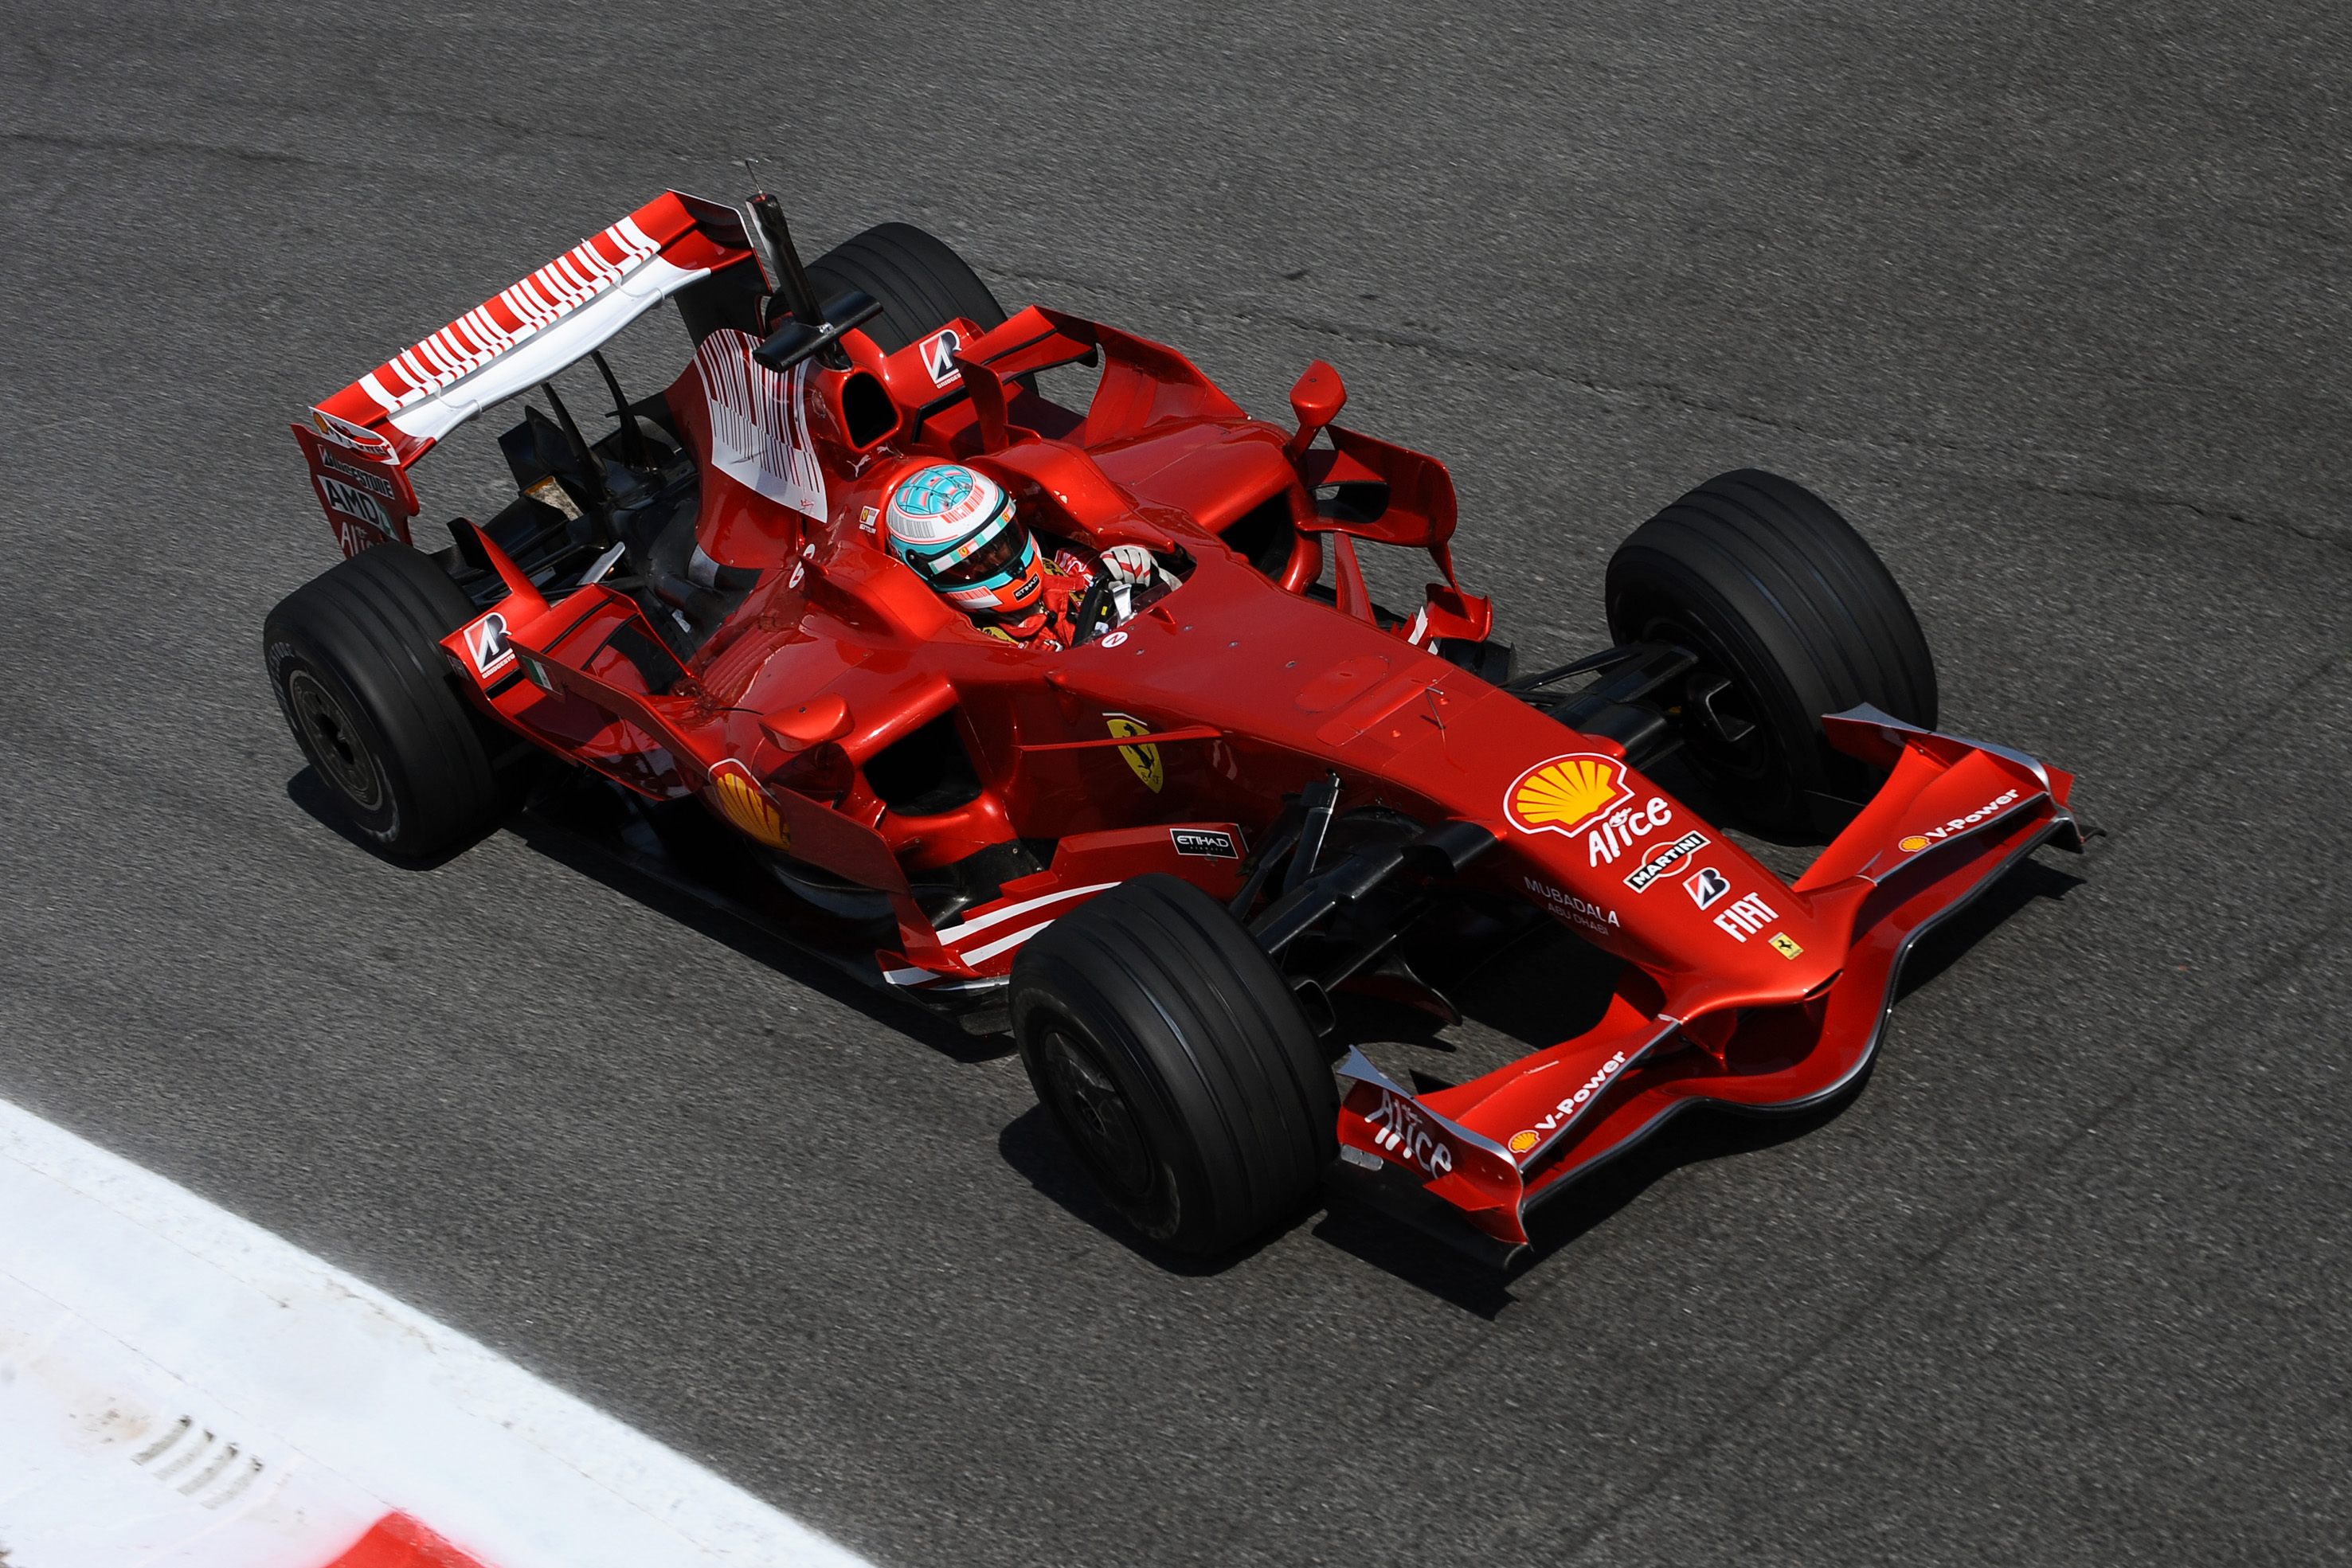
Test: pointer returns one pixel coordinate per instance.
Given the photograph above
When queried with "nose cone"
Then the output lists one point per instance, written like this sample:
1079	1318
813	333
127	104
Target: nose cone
1635	871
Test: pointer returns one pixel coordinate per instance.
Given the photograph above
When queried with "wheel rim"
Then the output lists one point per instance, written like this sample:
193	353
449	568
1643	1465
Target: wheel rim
333	742
1089	1104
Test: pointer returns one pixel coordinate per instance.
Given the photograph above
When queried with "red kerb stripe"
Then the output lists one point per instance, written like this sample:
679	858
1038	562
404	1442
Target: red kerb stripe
397	1541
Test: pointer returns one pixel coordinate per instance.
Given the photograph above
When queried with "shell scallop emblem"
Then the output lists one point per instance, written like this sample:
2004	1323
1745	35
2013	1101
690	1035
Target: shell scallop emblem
741	800
1561	794
1913	844
1523	1143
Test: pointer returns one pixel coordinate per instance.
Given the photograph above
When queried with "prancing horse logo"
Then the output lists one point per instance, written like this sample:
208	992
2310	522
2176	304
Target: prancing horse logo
1144	759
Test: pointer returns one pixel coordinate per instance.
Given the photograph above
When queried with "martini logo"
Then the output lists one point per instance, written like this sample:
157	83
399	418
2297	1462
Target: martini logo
1706	886
1143	759
1652	870
486	644
1564	794
743	802
939	351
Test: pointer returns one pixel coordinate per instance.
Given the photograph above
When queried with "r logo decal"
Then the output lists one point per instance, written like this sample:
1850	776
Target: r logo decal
939	351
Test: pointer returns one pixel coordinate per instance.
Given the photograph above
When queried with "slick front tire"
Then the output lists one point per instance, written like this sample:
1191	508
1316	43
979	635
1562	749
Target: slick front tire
1176	1064
354	657
1793	616
920	281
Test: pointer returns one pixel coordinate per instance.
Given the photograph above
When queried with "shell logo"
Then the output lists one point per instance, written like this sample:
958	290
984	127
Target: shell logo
1561	794
1913	844
1522	1142
743	802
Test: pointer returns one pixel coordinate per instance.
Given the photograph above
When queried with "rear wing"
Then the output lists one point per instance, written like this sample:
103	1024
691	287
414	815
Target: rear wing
362	441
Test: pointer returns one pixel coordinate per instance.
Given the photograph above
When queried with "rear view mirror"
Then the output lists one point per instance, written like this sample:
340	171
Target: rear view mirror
813	723
1315	400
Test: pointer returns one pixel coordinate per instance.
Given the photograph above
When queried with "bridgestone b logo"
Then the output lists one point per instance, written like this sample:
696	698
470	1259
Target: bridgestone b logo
1664	860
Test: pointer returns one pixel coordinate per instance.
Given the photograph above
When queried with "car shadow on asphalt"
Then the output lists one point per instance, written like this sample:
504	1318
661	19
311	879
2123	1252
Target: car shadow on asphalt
1033	1148
306	790
1700	1136
750	941
1535	991
1939	949
1544	987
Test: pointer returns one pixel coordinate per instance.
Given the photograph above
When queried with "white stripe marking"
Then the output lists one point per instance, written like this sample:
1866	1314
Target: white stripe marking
127	1303
374	388
981	923
431	414
981	955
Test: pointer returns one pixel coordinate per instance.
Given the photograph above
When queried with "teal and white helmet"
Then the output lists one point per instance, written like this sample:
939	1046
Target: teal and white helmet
961	534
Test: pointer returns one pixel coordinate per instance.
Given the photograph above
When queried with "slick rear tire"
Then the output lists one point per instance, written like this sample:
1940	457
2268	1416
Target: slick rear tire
354	657
1176	1064
922	284
1782	598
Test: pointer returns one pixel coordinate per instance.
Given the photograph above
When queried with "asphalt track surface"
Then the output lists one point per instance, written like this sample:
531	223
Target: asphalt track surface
2054	304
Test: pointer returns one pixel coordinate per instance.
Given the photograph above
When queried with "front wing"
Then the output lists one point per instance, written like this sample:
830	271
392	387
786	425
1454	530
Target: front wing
1953	816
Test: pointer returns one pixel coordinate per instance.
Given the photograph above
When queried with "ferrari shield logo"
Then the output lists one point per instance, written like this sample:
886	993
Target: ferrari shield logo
1144	759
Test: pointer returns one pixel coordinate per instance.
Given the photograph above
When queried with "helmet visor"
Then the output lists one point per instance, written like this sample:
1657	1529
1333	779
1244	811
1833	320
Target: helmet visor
998	555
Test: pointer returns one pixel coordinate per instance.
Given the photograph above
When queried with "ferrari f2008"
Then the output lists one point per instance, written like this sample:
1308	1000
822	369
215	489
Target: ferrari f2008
1082	721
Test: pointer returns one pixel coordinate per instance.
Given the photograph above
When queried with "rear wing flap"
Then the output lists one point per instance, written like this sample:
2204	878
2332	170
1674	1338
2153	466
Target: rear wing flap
361	442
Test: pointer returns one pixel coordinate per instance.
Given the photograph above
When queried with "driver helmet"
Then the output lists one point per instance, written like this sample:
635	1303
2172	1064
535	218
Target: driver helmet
958	530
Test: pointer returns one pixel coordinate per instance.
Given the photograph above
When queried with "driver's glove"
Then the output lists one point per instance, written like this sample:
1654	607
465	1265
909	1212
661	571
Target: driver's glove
1129	566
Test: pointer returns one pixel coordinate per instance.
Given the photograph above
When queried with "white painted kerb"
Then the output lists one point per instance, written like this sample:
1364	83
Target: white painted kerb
128	1303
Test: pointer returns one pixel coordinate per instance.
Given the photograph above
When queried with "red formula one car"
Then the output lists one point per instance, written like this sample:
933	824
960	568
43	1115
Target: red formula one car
1154	847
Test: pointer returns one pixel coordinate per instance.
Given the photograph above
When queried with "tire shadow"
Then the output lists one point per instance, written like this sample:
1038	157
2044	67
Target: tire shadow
1032	1145
307	791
